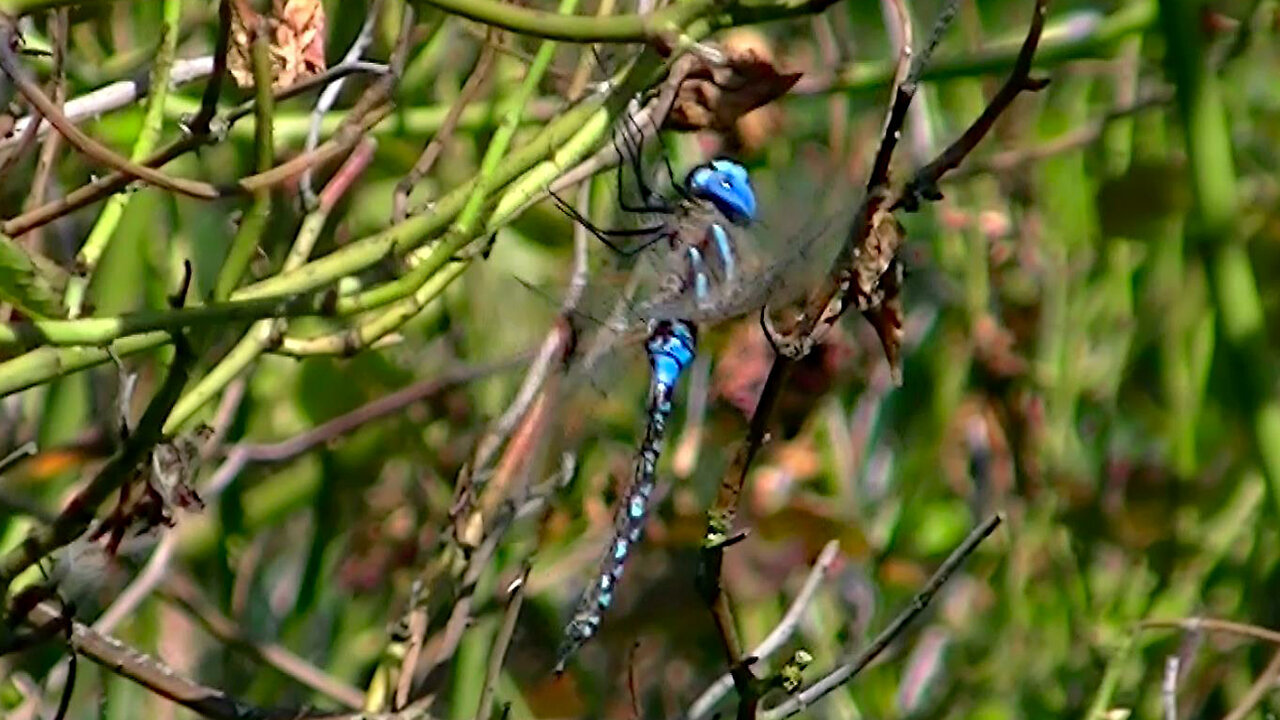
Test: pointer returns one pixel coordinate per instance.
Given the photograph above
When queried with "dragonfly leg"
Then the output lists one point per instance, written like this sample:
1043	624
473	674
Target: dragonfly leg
632	151
671	173
654	232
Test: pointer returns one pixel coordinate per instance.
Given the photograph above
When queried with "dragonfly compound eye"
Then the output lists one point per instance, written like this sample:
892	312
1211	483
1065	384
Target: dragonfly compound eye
725	184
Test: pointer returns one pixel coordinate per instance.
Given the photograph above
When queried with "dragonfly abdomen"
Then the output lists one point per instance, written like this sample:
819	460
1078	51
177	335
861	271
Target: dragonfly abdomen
671	347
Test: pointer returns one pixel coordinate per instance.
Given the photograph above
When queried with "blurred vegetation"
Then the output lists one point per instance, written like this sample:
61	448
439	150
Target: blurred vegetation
1088	350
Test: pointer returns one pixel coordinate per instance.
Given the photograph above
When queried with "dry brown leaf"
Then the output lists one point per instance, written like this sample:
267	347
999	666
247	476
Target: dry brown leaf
756	127
160	485
873	258
297	46
244	23
296	31
714	96
886	317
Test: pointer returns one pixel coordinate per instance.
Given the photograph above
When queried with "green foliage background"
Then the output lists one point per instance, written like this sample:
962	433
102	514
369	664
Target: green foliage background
1090	329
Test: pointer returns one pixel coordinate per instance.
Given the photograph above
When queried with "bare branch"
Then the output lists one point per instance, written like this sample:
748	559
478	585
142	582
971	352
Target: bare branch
1196	624
238	456
470	89
924	186
498	653
154	675
181	590
115	96
329	95
1261	688
850	669
778	636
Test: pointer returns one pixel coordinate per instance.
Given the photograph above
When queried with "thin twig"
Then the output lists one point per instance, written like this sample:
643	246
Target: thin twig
196	138
340	144
1169	688
329	96
200	124
154	675
1196	624
470	89
59	25
553	346
116	96
182	591
1007	160
778	636
498	652
868	252
79	140
416	630
850	669
240	455
127	602
924	185
264	333
1261	688
22	143
460	616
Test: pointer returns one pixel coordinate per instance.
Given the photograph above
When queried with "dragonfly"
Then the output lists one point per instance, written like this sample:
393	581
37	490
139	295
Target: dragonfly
697	234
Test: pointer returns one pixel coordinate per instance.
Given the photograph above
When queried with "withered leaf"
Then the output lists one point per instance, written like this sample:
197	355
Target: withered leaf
297	44
173	468
296	32
714	95
163	482
886	317
245	21
873	257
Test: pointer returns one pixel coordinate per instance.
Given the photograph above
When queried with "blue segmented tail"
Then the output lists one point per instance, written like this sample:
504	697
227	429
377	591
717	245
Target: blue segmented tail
671	347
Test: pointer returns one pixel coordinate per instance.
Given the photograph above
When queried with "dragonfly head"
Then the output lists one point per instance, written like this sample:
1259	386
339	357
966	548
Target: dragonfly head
725	184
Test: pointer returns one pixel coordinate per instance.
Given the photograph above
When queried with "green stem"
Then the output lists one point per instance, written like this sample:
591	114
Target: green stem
256	340
39	366
27	7
103	330
254	223
413	231
371	330
30	281
152	123
292	127
671	20
415	289
565	139
1111	678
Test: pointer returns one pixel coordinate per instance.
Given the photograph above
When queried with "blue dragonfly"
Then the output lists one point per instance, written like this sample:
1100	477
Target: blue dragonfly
697	236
